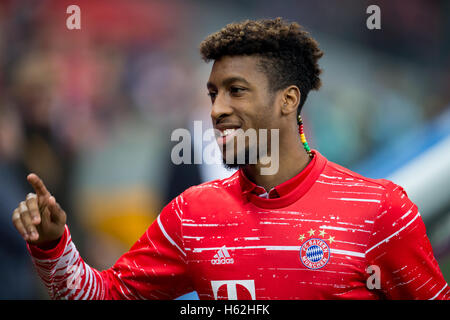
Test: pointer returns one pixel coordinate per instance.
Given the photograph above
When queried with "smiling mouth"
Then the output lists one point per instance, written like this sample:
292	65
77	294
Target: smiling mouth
227	132
224	136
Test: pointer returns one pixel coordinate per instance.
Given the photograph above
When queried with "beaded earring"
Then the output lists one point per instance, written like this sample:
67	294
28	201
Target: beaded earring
302	136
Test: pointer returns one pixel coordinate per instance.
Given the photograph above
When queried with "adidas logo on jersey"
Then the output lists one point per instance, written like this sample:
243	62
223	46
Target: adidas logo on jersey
222	257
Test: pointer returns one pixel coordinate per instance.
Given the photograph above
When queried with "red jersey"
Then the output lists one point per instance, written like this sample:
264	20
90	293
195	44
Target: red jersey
329	234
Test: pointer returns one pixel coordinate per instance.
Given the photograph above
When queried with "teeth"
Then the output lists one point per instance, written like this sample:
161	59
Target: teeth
226	132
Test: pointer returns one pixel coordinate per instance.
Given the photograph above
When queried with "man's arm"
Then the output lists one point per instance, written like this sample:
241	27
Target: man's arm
399	246
154	268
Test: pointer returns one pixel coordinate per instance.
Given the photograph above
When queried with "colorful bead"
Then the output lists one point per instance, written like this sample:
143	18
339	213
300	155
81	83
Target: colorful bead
302	136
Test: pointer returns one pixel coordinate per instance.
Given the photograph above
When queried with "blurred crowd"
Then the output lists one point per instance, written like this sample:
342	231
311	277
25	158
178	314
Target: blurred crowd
91	110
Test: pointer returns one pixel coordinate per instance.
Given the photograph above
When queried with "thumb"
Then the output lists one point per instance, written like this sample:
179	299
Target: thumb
56	213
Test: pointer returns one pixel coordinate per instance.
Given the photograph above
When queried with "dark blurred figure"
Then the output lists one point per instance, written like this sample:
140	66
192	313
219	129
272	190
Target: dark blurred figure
13	253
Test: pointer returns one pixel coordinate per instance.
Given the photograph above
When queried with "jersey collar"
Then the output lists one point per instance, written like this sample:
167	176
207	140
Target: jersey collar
286	192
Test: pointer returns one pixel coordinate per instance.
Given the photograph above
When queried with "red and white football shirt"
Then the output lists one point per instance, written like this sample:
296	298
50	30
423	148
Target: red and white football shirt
327	233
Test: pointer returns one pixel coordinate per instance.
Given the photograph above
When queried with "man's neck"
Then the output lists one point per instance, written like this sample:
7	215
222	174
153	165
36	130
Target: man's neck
292	160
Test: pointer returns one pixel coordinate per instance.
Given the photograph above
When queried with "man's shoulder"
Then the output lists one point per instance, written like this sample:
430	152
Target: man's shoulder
334	171
394	202
212	188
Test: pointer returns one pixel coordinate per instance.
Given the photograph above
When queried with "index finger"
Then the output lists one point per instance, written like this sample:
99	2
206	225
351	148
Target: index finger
38	185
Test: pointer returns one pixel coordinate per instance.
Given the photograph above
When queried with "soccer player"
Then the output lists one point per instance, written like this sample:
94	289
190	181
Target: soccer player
311	230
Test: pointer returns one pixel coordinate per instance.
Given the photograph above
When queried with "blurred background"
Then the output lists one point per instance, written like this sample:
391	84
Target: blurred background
91	111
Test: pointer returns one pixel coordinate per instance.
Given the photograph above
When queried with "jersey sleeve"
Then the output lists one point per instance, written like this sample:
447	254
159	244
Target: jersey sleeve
154	268
400	248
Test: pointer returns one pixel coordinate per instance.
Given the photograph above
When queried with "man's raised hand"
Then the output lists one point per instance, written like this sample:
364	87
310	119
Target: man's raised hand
39	219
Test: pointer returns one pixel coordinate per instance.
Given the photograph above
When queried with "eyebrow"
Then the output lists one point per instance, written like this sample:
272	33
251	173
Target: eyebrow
228	81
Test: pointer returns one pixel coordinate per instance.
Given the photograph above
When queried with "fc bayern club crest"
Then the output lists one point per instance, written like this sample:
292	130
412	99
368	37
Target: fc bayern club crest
315	253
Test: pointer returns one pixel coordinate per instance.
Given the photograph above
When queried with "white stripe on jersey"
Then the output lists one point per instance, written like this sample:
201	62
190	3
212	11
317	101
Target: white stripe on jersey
394	234
438	293
168	237
356	199
283	248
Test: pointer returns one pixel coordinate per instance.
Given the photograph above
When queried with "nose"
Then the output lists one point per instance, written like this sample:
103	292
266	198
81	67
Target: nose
221	107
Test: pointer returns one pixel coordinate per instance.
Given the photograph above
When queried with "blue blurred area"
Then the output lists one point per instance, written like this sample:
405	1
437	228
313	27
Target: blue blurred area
189	296
91	111
406	147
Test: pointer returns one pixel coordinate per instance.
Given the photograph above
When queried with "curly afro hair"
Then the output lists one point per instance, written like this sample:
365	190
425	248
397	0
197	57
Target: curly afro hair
288	54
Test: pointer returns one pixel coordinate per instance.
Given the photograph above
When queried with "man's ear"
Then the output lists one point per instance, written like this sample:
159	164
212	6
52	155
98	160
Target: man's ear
290	99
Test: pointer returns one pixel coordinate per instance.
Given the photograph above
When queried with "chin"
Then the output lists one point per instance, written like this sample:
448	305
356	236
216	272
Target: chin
235	164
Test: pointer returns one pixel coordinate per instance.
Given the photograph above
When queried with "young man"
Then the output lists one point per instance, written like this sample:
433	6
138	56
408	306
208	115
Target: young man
311	230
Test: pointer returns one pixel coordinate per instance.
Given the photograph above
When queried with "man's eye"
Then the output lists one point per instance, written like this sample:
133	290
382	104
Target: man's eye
236	90
212	95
